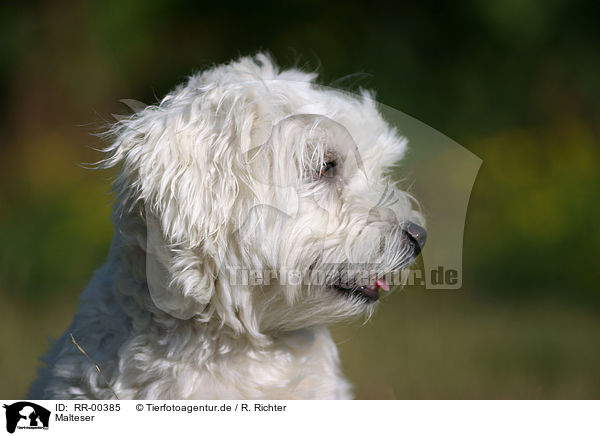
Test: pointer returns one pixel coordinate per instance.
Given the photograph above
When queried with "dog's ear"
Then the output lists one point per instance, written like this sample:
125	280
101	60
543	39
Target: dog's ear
180	282
182	162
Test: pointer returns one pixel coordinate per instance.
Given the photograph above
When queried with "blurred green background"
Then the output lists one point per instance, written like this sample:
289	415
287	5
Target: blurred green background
515	81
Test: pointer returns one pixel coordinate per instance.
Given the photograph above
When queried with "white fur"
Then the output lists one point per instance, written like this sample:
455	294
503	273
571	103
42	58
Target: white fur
222	174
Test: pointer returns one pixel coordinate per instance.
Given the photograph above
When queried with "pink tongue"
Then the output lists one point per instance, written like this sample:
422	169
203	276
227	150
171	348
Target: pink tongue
382	284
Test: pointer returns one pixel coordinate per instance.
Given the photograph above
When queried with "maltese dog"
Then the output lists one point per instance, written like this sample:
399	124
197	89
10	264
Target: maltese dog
252	209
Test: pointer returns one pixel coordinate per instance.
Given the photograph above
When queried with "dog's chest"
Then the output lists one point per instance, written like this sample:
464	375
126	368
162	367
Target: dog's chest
302	365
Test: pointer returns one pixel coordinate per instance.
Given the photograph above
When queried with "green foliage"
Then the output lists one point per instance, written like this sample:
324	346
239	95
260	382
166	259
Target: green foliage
532	225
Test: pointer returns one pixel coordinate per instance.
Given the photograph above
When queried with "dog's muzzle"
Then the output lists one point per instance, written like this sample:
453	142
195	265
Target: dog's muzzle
415	237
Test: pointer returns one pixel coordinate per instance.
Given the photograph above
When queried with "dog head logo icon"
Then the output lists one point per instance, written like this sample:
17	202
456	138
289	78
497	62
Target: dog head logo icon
26	415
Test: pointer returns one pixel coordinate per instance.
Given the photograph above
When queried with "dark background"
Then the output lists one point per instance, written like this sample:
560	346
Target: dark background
514	81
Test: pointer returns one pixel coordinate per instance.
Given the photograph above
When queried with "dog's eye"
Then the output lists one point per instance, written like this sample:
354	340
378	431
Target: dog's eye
328	169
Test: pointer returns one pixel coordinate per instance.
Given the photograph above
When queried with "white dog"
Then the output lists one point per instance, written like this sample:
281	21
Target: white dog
252	209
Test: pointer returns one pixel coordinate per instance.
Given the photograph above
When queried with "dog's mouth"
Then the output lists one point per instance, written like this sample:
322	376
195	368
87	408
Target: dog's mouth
368	292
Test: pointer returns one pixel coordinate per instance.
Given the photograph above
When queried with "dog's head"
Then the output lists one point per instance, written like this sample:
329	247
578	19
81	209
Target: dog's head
267	199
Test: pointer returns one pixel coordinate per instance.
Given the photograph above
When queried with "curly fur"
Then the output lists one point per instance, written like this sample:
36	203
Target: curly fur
224	173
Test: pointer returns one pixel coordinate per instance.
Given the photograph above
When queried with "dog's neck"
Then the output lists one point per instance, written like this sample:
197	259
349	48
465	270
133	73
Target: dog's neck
211	351
128	258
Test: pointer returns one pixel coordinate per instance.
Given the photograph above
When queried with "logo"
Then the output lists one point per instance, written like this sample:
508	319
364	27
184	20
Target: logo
26	415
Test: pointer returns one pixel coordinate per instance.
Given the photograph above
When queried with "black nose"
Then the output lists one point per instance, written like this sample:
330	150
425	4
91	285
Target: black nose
416	234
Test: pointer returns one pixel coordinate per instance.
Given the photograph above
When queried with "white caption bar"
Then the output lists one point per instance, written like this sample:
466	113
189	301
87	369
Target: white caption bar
303	417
